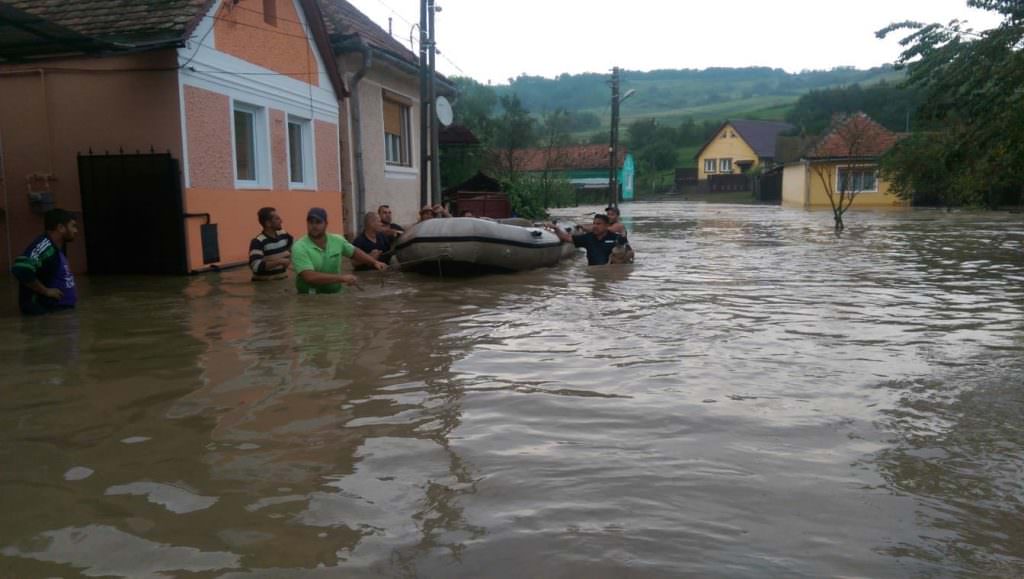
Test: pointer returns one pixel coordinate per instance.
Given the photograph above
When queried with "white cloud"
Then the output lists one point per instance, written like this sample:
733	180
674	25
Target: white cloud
491	40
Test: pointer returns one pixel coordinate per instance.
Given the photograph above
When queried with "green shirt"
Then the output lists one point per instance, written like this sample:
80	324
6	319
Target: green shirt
307	256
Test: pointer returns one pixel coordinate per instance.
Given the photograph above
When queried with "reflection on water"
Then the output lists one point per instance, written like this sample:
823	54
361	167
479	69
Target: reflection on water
753	397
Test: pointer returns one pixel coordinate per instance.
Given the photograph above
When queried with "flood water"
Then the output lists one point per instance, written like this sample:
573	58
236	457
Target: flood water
752	398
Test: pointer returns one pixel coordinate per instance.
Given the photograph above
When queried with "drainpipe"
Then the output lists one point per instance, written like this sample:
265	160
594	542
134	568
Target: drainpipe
7	205
359	45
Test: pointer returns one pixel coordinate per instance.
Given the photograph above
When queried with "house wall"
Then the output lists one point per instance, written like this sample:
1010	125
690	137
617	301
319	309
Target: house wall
794	185
398	187
727	144
244	60
49	116
819	198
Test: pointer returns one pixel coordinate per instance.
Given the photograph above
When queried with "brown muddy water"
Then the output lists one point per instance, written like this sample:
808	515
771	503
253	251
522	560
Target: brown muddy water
753	398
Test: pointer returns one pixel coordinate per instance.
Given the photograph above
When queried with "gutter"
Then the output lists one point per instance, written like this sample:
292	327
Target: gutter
359	45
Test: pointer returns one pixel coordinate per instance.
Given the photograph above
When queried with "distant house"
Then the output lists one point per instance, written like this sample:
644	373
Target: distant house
847	156
738	146
381	119
168	124
481	195
584	166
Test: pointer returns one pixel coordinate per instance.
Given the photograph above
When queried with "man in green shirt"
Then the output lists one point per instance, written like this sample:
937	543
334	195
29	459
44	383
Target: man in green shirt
316	258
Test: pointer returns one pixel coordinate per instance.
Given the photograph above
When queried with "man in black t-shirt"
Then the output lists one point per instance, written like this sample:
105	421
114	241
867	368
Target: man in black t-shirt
392	230
270	251
599	242
373	239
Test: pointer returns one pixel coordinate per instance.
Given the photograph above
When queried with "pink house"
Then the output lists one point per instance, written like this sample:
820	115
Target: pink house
167	124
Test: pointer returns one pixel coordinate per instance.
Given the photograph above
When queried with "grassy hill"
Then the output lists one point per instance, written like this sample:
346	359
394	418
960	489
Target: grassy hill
674	95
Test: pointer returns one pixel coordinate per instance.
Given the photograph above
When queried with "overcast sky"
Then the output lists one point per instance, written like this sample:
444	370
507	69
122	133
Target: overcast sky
492	40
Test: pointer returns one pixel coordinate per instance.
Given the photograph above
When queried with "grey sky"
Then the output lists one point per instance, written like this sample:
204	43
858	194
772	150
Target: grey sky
492	41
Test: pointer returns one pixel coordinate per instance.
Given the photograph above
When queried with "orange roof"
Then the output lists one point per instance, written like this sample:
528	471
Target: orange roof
856	135
576	157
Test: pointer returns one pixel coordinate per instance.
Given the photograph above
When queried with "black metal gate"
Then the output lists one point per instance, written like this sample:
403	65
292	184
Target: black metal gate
768	187
132	209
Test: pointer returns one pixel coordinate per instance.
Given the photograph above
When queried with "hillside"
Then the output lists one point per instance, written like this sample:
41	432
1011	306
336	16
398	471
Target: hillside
673	95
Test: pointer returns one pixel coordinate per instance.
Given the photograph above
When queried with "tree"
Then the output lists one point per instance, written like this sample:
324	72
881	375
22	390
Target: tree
972	103
844	159
514	130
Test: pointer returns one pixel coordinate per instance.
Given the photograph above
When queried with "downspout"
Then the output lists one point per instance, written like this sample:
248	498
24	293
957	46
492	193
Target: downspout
357	127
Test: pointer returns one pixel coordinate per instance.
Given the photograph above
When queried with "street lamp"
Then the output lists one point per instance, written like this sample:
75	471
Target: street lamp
613	149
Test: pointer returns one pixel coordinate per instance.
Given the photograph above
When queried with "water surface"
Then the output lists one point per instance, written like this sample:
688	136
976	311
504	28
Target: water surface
754	397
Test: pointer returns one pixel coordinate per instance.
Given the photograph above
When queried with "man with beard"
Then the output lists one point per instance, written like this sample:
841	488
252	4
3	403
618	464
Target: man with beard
316	257
270	251
46	283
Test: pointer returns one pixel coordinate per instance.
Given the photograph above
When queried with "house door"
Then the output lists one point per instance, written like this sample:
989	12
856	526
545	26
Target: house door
132	213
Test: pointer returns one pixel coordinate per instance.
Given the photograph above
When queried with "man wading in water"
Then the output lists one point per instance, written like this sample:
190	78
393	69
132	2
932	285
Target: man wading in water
316	258
599	242
47	284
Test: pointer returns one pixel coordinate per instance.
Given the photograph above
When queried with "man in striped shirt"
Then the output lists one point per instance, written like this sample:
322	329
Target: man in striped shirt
270	251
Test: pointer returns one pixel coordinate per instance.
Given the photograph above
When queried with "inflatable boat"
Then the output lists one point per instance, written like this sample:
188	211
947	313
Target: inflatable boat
466	245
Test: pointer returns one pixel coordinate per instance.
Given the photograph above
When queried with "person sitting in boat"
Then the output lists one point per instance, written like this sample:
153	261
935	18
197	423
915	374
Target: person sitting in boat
466	213
372	240
599	241
440	210
270	251
316	258
427	212
391	229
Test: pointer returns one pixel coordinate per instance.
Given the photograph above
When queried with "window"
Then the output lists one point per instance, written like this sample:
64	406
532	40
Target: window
270	12
301	157
725	165
245	145
396	133
857	180
252	168
710	165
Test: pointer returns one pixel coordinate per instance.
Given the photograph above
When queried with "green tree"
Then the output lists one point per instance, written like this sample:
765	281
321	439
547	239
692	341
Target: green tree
514	130
972	99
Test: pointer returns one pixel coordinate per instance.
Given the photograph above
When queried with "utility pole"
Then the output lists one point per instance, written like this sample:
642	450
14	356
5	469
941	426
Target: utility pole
424	109
435	158
613	148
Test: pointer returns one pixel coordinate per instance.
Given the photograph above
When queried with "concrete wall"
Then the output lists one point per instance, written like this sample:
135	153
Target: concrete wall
794	185
398	187
248	62
803	186
727	144
48	117
819	198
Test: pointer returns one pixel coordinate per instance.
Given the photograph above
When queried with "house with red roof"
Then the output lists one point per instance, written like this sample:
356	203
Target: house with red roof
846	159
584	166
167	125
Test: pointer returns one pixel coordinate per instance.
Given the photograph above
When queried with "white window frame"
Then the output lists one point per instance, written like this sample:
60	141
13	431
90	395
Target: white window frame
859	169
308	181
261	146
407	126
710	166
725	166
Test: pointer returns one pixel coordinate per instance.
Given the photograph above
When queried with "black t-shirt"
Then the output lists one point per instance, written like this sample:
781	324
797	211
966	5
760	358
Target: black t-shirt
599	251
396	227
383	243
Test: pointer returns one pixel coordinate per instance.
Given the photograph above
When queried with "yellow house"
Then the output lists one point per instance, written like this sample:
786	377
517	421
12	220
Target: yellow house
739	146
846	159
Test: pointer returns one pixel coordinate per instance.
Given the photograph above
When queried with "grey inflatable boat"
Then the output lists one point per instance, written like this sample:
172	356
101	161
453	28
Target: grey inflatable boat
466	245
